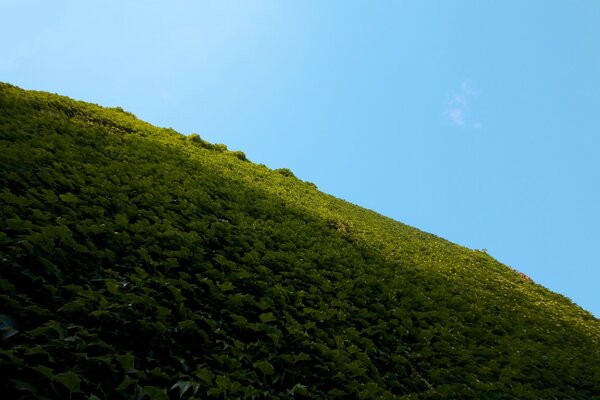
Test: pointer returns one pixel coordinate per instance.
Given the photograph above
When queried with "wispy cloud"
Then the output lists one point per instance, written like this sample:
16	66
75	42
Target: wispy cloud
458	106
456	116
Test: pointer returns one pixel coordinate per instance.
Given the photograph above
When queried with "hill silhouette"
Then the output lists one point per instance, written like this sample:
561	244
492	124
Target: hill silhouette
140	263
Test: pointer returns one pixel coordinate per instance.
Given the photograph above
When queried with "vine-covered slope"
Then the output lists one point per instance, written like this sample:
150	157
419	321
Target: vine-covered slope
139	263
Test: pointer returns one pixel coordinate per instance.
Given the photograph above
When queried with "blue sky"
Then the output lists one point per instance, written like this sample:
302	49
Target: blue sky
478	121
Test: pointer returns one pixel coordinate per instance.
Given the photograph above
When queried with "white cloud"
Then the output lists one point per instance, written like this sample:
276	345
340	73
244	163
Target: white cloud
456	116
457	108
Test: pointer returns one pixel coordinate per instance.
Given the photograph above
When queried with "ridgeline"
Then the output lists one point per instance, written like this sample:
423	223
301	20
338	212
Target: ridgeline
140	263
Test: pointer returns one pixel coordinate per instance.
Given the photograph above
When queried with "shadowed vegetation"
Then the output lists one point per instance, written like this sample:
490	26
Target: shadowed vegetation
137	262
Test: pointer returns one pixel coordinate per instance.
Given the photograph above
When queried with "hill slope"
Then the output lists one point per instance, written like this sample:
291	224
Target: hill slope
141	263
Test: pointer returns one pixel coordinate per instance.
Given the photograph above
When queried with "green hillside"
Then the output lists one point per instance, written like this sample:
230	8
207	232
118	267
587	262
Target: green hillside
139	263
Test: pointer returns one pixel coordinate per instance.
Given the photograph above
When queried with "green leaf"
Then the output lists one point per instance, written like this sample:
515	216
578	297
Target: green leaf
100	313
160	327
72	307
223	382
122	220
226	286
267	317
126	361
25	386
177	293
336	394
38	331
47	372
205	375
299	389
18	224
265	367
183	386
188	324
215	391
68	198
156	393
157	372
301	357
275	337
112	286
126	383
70	380
5	285
38	310
37	350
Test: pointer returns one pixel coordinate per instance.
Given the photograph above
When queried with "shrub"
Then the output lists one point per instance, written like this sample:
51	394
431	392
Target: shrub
239	154
285	172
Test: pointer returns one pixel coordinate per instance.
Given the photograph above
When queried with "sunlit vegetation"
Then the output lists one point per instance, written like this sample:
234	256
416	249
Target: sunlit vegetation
139	263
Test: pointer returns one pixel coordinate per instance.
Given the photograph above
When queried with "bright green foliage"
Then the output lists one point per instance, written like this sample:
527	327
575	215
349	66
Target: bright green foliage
140	263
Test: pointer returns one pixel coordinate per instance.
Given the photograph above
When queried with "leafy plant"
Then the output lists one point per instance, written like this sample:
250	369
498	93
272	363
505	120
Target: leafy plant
141	263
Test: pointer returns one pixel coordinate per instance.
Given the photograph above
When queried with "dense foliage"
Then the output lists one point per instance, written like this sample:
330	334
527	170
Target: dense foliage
140	263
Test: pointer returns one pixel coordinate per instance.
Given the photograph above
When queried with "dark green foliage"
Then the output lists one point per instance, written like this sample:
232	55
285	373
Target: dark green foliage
285	172
140	263
239	154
